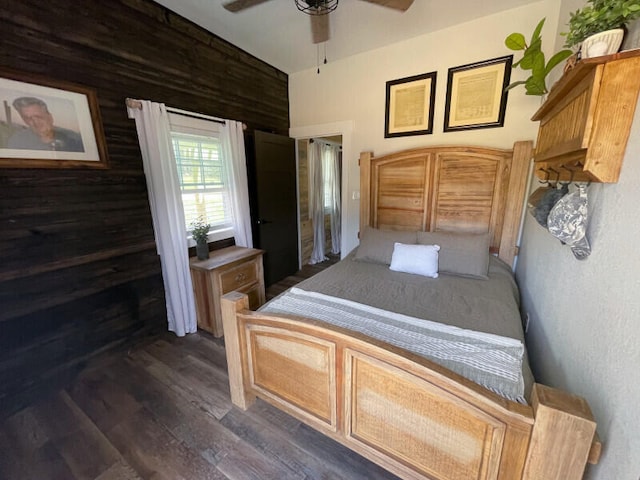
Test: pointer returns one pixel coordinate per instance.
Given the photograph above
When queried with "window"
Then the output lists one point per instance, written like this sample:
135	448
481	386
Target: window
329	159
202	172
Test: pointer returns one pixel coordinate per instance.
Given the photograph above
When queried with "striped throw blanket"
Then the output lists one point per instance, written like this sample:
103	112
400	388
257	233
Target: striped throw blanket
492	361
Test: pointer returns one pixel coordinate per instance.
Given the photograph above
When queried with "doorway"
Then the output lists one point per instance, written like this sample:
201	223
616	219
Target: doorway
350	204
327	243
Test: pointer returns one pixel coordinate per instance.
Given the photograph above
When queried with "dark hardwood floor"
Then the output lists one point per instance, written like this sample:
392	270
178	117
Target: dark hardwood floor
306	272
162	411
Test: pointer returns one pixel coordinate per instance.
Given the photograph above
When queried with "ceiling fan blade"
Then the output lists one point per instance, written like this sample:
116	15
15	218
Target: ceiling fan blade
397	4
319	28
237	5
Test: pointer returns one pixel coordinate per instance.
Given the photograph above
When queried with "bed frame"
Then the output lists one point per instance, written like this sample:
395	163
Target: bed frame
413	417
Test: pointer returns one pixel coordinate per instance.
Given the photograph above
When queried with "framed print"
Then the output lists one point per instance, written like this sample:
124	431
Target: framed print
476	96
46	123
409	106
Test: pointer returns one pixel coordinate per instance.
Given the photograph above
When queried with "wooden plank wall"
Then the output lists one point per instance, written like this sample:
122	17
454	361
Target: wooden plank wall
306	224
79	273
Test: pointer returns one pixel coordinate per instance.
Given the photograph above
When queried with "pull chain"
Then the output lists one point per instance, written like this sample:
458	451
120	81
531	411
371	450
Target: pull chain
324	46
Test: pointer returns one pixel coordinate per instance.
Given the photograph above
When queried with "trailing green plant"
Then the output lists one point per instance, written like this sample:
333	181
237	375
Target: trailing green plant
200	230
599	16
533	59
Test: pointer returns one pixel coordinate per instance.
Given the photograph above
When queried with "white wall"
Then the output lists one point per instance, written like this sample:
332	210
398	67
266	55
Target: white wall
585	316
584	334
354	90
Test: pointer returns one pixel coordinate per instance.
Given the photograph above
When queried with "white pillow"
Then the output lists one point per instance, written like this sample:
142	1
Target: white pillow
417	259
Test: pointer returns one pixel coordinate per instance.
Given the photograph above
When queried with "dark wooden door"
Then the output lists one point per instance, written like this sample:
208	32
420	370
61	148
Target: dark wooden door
276	205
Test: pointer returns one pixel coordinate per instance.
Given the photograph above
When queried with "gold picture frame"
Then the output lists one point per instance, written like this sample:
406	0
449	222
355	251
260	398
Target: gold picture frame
476	95
46	123
409	105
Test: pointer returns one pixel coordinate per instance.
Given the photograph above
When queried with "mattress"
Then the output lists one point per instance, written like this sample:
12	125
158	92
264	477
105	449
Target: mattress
489	306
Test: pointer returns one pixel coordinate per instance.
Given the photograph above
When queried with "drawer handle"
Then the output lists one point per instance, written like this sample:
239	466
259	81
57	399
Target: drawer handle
240	277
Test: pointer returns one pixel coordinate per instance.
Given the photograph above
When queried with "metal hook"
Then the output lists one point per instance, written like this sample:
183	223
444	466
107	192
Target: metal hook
546	180
566	184
555	182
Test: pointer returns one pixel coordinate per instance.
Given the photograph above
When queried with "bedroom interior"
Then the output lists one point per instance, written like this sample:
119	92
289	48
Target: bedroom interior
80	276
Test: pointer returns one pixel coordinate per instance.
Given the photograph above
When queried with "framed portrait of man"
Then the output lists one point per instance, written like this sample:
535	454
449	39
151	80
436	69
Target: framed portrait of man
46	123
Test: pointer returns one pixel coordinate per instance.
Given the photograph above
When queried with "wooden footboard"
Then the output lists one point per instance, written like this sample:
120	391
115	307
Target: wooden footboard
407	414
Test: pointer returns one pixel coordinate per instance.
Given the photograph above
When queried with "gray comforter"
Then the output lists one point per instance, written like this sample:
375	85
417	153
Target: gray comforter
489	306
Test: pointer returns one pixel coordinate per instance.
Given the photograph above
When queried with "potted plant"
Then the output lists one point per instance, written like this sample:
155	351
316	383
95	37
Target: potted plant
200	232
599	27
533	59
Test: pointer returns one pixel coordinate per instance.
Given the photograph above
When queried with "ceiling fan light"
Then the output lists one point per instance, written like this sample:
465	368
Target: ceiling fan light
316	7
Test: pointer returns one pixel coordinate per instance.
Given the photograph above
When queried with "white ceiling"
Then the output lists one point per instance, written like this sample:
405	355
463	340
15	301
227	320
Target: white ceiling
279	34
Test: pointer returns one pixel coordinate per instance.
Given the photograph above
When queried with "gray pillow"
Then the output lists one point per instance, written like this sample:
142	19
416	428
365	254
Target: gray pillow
464	254
376	246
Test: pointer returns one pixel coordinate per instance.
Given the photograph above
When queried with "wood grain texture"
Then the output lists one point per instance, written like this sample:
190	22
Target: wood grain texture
79	272
585	122
226	270
403	412
518	182
560	420
234	341
402	198
409	415
456	189
613	118
404	421
398	414
120	420
306	224
467	194
297	369
567	126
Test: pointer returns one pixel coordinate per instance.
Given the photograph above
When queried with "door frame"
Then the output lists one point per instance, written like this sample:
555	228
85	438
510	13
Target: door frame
344	129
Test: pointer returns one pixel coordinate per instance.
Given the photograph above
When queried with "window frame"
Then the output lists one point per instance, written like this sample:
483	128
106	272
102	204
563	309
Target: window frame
181	124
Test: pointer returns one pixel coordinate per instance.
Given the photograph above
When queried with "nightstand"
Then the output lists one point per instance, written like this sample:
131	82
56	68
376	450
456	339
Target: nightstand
226	270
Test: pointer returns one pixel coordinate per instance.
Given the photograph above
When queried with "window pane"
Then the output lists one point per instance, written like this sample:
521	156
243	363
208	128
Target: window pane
203	179
326	174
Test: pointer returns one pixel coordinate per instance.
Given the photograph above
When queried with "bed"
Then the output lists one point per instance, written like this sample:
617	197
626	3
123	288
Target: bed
419	415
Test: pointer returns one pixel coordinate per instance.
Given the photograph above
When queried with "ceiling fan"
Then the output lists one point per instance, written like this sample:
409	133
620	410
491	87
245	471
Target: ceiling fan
318	11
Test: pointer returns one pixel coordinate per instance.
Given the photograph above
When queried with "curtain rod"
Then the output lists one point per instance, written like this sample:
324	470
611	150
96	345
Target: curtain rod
327	142
132	103
185	113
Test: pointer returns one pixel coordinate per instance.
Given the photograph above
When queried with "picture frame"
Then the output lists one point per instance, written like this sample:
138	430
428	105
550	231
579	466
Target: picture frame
409	105
476	95
46	123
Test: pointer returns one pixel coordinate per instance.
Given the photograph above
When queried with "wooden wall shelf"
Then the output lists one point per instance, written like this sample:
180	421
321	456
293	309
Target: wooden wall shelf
586	120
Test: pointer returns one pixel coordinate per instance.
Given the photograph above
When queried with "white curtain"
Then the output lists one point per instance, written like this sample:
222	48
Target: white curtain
152	124
332	160
232	139
316	201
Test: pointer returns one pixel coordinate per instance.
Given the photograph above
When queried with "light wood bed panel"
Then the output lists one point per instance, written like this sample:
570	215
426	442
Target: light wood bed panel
456	189
413	417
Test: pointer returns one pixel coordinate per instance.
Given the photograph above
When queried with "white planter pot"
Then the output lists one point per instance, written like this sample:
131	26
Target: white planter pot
603	43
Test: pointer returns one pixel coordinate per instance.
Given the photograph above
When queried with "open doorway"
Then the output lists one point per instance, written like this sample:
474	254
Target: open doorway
320	198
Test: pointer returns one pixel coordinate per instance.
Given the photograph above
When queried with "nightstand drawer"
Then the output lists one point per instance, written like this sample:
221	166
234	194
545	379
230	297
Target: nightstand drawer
238	277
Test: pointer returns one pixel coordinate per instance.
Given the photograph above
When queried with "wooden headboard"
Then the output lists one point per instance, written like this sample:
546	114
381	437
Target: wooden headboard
454	189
